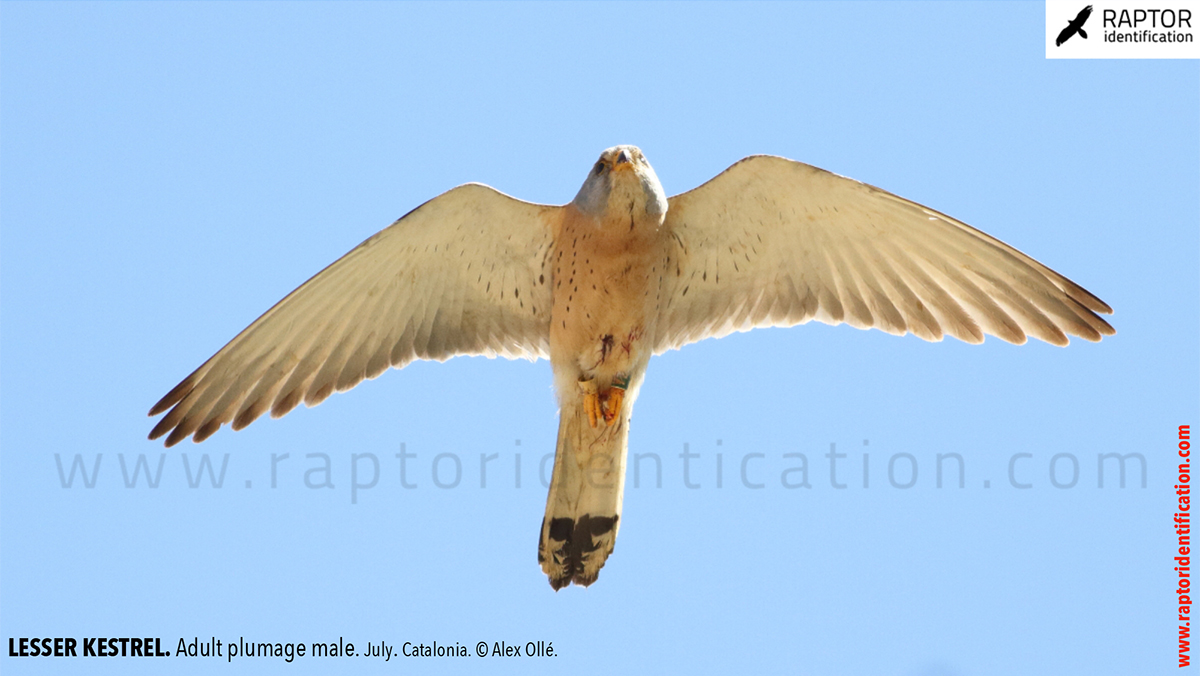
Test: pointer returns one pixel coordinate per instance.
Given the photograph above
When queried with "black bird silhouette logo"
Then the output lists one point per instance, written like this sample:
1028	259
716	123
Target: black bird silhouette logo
1076	26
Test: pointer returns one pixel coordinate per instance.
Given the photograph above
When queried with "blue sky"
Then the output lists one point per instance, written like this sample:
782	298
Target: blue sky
169	171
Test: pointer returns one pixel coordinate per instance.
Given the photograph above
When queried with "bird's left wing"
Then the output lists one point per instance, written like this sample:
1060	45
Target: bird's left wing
773	242
461	274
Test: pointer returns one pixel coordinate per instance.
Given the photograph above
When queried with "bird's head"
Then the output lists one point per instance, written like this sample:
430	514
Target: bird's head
622	182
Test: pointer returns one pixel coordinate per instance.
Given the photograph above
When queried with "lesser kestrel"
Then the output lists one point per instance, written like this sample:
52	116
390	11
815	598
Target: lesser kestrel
619	274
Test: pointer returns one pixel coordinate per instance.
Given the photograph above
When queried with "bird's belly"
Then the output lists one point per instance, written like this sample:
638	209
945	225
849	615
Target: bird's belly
599	321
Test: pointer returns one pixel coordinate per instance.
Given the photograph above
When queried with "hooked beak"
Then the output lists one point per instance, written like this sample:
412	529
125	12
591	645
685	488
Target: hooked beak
622	161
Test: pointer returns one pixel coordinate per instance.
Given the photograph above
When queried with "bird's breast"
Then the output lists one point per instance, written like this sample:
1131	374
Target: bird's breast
605	285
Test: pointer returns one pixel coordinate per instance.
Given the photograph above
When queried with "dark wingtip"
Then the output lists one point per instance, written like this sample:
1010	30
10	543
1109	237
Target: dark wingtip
175	396
177	435
207	430
160	429
1105	329
248	415
162	405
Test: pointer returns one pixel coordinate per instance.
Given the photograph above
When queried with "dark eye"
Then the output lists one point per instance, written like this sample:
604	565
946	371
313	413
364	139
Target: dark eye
599	168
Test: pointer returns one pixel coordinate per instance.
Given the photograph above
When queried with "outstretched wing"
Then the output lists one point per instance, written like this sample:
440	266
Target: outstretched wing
1065	34
460	275
1074	26
772	242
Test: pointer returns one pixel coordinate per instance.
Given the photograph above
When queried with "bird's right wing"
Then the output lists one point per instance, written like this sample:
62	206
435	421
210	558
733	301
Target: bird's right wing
462	274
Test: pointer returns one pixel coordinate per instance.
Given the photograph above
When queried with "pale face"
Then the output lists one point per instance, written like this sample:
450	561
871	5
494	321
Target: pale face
621	182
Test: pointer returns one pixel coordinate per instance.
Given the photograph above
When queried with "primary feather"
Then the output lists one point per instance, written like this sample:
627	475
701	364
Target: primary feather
458	275
774	242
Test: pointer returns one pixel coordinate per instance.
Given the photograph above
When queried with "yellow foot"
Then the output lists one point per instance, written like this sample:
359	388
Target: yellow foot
612	405
591	401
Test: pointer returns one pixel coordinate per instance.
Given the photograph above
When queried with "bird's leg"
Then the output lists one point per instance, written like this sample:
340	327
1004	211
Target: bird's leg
614	397
591	400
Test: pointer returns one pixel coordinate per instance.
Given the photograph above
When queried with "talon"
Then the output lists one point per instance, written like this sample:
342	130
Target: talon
591	401
614	398
612	405
591	404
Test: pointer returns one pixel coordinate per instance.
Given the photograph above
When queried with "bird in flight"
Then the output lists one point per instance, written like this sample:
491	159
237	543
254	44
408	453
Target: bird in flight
1075	26
601	284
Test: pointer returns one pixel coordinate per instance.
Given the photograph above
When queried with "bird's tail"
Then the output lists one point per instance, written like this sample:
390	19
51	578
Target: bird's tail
583	510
